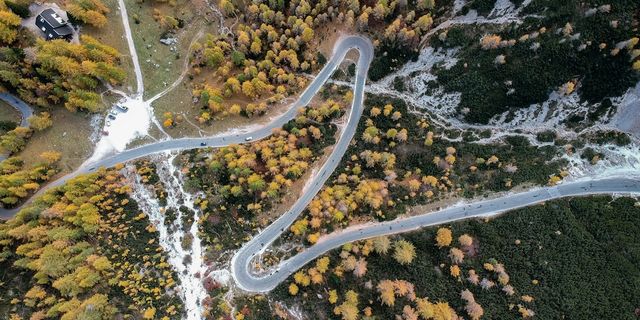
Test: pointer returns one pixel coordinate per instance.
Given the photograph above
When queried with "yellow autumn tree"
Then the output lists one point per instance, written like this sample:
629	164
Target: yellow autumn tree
490	41
434	311
322	264
443	237
40	122
386	288
349	308
360	268
456	255
333	296
150	313
404	252
381	245
9	23
293	289
474	310
454	270
465	240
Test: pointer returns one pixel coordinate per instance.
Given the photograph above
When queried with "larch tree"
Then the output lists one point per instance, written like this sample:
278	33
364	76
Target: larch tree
386	288
408	313
474	310
349	308
381	245
404	252
89	11
293	289
40	122
465	240
333	296
9	24
360	268
490	41
443	237
456	255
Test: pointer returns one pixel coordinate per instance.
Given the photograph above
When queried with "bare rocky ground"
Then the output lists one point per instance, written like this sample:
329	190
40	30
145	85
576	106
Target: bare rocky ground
549	115
627	118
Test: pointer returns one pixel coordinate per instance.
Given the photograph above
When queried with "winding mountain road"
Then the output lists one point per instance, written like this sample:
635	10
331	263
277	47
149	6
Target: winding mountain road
246	280
241	269
25	110
344	45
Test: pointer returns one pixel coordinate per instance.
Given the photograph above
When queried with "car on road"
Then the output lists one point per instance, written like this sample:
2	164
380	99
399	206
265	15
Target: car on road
203	144
112	114
248	138
123	107
107	123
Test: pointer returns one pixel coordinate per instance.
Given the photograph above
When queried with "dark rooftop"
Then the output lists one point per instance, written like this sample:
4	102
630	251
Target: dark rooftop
65	30
53	18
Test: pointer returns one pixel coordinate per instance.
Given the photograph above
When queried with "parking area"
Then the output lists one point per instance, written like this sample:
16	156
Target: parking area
113	114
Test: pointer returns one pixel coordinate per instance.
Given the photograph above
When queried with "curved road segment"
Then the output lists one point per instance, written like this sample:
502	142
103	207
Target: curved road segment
241	268
339	51
25	110
241	263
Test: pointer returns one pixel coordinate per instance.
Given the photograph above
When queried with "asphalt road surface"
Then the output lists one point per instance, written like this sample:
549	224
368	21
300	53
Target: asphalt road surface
241	268
340	50
25	110
241	263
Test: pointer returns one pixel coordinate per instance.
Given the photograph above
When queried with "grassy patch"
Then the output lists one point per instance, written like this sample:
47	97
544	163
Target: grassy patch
9	117
113	35
180	103
160	64
8	113
69	135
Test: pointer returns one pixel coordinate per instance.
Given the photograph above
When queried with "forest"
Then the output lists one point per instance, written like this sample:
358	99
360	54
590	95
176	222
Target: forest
583	46
573	258
245	182
57	72
400	160
48	75
17	182
275	43
85	251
